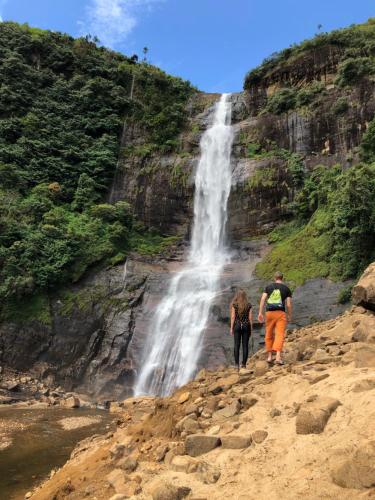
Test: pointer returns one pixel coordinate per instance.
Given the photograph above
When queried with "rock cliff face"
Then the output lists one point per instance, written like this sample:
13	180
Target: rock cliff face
97	333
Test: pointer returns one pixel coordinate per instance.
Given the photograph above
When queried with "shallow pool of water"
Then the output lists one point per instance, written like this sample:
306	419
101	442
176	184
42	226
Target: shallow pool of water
39	444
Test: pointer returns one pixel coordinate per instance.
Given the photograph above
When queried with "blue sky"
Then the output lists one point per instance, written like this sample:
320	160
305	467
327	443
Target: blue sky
212	43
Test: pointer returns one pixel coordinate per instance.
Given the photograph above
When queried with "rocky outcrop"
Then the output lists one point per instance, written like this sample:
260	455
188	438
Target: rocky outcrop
364	292
276	411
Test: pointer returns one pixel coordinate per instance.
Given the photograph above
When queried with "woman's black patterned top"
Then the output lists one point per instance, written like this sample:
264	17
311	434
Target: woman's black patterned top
242	318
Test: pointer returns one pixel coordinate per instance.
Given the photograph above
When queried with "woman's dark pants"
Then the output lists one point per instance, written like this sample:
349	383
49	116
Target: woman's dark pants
241	335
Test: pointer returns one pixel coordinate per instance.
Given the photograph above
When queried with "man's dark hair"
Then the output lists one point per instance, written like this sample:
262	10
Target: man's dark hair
278	275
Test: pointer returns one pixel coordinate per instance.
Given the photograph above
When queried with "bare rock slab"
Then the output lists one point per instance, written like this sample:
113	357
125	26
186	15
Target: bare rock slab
198	444
236	442
313	416
357	471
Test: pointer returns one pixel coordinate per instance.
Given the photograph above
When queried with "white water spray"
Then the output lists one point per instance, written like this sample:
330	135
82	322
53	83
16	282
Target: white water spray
174	344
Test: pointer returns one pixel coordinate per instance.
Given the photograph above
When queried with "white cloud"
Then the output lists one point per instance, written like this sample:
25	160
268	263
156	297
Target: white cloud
113	20
2	3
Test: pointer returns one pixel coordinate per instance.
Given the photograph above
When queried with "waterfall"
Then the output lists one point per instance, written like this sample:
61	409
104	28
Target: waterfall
174	342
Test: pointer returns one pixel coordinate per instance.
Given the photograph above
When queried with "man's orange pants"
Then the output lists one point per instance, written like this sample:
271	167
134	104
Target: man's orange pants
275	330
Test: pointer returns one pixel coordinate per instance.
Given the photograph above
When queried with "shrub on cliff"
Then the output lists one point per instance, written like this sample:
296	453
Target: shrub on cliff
335	233
340	45
368	144
352	70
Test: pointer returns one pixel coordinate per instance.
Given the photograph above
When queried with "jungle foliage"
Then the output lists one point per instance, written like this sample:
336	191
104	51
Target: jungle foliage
63	104
333	231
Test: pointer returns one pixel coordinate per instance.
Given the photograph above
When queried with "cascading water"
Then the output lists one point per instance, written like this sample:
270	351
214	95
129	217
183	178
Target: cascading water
174	345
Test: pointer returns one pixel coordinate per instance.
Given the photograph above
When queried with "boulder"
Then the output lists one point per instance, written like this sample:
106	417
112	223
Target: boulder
197	444
364	292
118	496
188	424
223	384
208	473
314	415
185	396
259	436
162	490
261	367
117	451
248	400
191	408
128	464
358	470
228	412
275	412
235	442
70	402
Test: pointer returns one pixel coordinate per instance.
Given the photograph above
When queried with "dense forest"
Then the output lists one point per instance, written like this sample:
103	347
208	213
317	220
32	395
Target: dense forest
332	231
63	105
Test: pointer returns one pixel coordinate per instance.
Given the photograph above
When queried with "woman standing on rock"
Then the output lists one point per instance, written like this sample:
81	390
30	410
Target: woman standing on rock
241	325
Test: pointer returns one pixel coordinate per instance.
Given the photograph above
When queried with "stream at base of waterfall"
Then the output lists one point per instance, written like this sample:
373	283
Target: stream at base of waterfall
174	344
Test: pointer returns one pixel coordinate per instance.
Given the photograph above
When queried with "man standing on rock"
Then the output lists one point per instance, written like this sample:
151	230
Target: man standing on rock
277	297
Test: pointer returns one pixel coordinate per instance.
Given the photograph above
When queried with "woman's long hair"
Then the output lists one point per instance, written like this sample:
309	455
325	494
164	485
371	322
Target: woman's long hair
241	301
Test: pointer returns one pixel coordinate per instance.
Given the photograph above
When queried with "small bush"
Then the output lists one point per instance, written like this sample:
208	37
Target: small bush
341	106
353	69
345	295
281	101
306	95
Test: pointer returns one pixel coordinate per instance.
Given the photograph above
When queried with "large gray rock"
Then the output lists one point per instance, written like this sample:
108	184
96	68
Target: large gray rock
313	416
235	442
198	444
